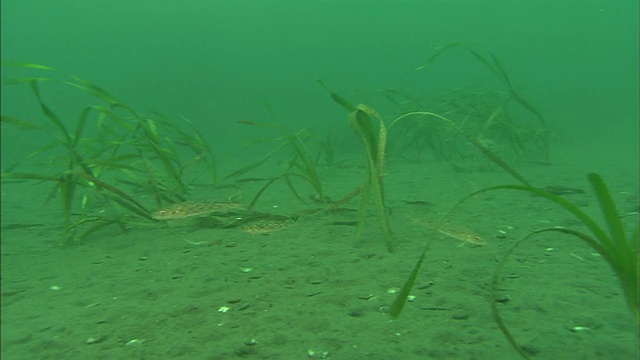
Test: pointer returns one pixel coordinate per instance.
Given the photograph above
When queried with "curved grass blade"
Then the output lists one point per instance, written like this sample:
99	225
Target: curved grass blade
631	292
262	190
374	152
600	234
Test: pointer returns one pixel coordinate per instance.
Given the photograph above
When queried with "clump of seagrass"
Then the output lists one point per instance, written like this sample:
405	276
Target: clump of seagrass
374	142
301	166
127	148
500	118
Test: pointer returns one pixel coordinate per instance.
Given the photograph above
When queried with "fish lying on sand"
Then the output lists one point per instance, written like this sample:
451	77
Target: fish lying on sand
462	234
265	226
456	231
189	209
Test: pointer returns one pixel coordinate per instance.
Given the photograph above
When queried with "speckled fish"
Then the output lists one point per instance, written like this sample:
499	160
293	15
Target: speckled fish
265	226
462	234
189	209
456	231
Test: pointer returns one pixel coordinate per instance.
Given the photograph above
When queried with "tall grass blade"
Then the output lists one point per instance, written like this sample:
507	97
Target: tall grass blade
611	215
374	152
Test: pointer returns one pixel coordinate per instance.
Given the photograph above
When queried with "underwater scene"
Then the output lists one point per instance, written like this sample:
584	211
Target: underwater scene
319	179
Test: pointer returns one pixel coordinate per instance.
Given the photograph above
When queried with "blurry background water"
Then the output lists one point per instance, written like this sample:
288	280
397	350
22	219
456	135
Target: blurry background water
217	62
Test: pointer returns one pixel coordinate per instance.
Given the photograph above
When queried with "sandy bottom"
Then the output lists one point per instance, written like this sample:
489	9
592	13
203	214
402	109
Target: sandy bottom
315	290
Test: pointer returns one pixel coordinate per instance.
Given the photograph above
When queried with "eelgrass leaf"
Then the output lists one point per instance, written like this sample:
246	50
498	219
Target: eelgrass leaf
306	164
115	162
254	165
527	105
28	176
611	215
439	51
17	81
100	223
287	178
374	152
337	98
121	194
599	233
627	275
472	139
82	120
94	90
499	69
27	125
67	186
260	192
495	67
495	295
27	65
365	197
363	127
50	114
127	204
203	145
260	124
403	294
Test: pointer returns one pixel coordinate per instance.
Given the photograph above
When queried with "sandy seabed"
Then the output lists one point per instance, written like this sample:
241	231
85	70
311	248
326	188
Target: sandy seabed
315	290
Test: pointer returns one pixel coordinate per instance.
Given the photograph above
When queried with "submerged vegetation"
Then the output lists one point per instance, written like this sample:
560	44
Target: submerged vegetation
616	246
301	166
500	119
102	163
152	155
113	151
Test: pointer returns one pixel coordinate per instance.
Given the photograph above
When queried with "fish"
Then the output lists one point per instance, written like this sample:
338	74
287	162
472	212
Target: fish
265	226
187	209
456	231
462	234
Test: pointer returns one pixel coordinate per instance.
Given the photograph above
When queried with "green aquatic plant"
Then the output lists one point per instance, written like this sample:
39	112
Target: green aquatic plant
126	148
484	150
375	146
495	67
301	166
497	117
403	295
374	142
611	241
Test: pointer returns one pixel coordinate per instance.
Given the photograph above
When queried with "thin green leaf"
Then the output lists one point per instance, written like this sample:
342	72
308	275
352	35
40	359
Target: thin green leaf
611	215
27	65
403	294
337	98
599	233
